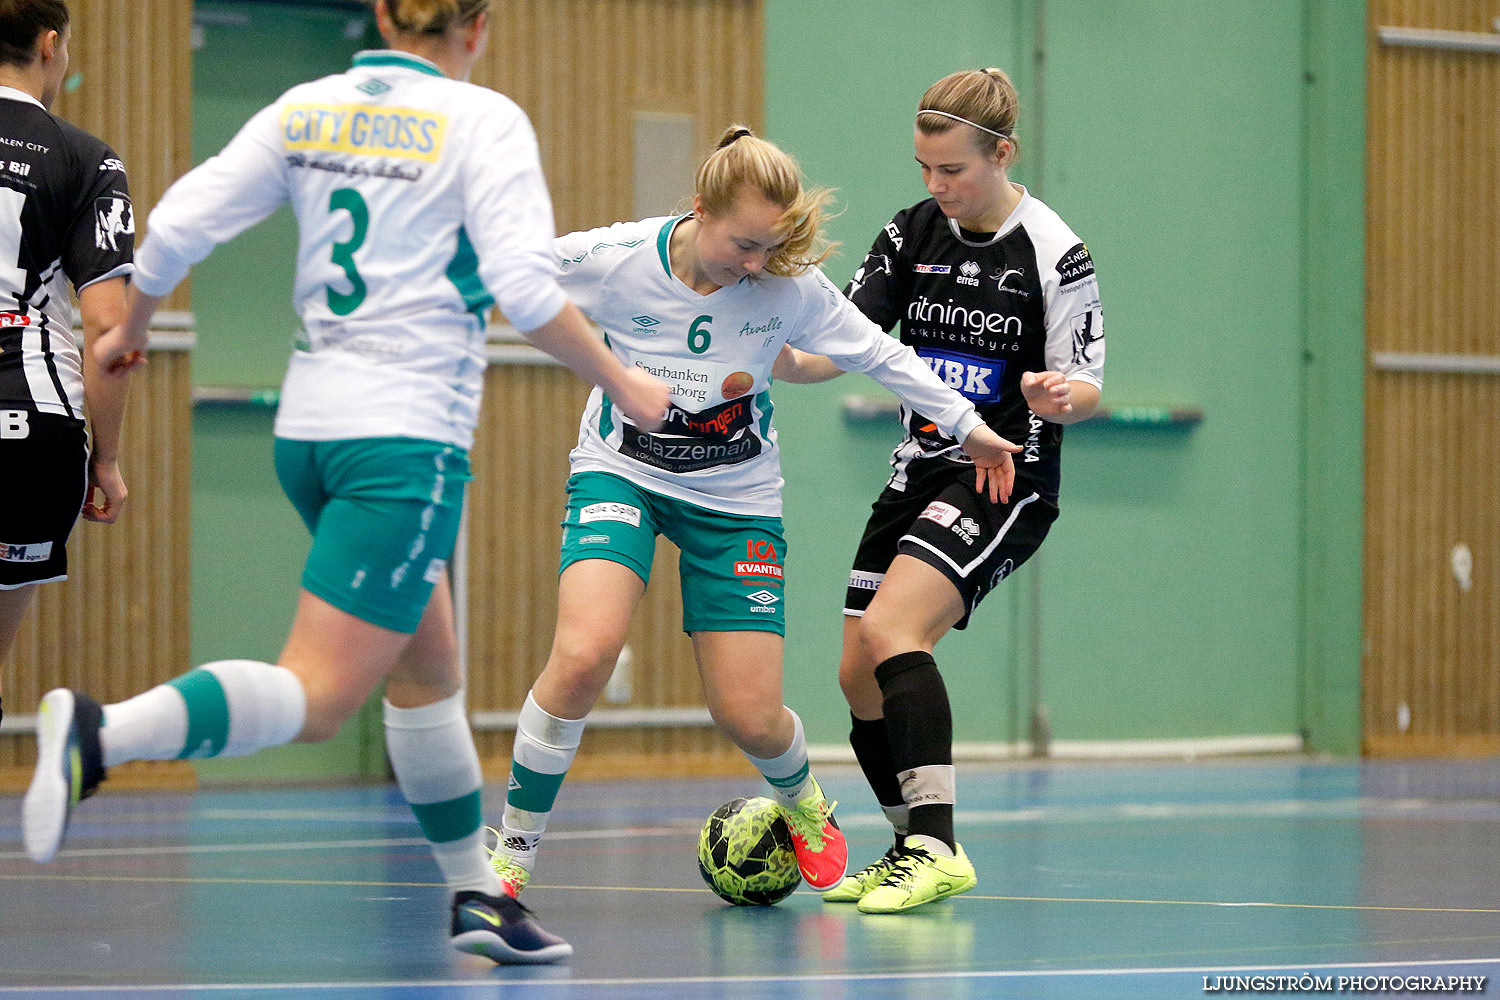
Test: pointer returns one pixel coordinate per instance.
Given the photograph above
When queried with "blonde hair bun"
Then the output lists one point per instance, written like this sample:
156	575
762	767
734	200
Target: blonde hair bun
743	159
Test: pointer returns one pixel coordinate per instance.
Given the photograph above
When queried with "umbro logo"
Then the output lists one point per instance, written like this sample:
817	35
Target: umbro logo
763	597
373	87
514	784
645	320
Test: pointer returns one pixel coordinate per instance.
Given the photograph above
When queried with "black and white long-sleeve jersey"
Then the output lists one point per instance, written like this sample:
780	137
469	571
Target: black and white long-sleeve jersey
65	217
981	309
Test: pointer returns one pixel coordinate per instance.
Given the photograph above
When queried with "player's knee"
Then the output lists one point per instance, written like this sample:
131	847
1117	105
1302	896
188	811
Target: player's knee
328	706
321	726
581	659
750	727
882	636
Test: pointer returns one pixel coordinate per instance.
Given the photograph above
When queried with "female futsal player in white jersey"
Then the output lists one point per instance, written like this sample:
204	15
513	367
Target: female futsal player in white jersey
993	289
418	197
706	301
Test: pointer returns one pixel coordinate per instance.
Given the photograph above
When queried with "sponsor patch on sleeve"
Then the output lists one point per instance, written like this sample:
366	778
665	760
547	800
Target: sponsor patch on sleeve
113	217
1075	265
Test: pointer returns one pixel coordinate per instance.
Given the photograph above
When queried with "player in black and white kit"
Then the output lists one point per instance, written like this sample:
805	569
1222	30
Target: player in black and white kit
65	219
998	295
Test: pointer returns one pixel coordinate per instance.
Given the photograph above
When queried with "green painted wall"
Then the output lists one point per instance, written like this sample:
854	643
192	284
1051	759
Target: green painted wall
1333	375
1173	599
248	543
245	56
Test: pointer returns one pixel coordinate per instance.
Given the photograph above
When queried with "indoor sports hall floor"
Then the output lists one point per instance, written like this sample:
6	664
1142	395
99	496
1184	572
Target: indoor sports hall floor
1096	880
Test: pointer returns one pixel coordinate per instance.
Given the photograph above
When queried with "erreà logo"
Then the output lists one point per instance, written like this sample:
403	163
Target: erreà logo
1075	265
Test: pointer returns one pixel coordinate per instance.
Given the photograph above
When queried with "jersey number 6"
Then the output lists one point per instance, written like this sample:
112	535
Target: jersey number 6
343	253
698	335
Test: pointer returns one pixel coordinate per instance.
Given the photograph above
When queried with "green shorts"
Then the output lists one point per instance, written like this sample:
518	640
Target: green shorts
731	566
384	516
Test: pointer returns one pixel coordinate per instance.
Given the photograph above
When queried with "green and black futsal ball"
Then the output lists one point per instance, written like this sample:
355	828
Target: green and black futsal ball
745	853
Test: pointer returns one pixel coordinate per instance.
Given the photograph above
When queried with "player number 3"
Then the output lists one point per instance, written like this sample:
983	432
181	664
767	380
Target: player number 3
348	199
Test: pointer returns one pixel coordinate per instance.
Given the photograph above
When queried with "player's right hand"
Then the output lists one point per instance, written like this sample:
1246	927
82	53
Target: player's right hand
994	469
644	398
118	350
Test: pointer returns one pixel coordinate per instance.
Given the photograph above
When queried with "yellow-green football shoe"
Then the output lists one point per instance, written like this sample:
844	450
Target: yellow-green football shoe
853	888
919	877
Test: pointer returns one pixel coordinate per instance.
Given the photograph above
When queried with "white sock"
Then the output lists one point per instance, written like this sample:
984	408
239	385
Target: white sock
544	750
900	817
227	708
150	726
789	773
432	752
931	845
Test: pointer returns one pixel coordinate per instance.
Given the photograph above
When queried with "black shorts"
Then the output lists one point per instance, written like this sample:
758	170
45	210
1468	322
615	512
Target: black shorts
45	457
940	520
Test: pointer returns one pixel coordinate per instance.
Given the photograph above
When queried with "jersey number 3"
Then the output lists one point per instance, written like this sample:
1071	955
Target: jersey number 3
348	199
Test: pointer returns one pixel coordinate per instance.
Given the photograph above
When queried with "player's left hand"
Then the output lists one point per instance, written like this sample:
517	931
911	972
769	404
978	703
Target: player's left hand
1047	393
105	478
994	469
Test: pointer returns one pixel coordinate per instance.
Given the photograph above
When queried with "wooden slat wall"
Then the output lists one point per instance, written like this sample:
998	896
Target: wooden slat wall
1433	449
120	622
136	93
581	69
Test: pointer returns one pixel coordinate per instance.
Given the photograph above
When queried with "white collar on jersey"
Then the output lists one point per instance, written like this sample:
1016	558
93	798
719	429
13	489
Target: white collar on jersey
395	59
12	94
1011	221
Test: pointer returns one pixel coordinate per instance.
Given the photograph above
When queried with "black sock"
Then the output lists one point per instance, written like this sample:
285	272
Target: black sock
919	726
2	709
872	748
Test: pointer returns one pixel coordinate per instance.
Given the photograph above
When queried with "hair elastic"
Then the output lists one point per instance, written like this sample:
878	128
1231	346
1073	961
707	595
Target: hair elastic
945	114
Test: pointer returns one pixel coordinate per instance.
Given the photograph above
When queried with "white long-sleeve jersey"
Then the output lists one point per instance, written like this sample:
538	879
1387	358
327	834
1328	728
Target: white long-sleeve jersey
717	448
420	202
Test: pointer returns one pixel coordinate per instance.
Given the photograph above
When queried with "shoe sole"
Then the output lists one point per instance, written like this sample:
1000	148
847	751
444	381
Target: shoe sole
847	897
493	947
934	899
44	813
